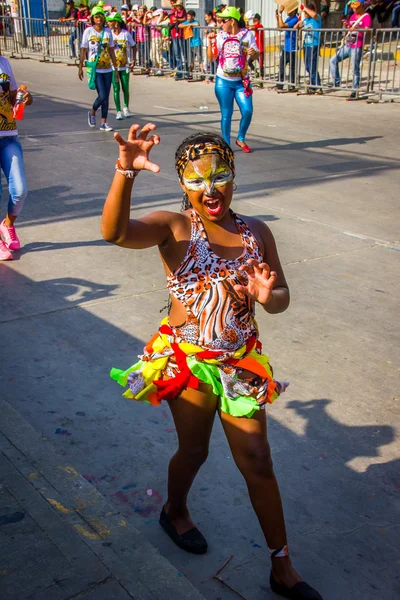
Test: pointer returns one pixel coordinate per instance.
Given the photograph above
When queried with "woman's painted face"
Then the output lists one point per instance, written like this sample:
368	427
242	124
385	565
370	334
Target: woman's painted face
99	19
208	181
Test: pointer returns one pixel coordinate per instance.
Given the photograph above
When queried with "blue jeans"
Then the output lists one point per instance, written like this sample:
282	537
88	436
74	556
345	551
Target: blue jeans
12	163
103	87
355	55
178	49
71	42
396	15
226	92
311	54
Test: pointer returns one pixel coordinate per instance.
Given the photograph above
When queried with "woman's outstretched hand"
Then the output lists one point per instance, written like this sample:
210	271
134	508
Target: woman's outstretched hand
261	281
134	152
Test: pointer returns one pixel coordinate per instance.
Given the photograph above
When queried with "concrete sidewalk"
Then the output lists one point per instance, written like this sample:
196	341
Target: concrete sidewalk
59	537
325	177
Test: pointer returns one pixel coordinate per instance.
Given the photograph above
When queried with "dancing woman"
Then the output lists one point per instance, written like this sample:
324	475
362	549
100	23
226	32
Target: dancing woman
206	358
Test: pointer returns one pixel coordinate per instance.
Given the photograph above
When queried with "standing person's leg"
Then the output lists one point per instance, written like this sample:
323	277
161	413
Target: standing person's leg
124	77
356	57
248	441
282	65
140	62
152	51
116	89
107	78
292	67
12	163
158	52
340	55
225	94
100	88
71	42
307	61
184	53
177	58
148	62
193	413
245	104
315	78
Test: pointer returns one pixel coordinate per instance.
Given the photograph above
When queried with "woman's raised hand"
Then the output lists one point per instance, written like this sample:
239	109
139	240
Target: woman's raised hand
260	283
134	152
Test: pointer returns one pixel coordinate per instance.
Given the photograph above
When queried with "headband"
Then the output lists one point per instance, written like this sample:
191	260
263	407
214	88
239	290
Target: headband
195	151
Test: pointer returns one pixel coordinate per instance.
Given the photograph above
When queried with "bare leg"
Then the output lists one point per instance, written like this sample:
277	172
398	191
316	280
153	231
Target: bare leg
250	448
193	413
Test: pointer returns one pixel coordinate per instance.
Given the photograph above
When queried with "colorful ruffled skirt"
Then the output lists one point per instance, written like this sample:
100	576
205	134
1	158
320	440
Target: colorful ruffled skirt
241	378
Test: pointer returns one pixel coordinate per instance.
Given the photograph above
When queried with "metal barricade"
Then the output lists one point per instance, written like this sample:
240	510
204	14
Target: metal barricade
24	37
364	62
385	73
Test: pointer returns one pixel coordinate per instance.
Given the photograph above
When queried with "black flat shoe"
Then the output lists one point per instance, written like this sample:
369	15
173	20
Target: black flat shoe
191	541
300	591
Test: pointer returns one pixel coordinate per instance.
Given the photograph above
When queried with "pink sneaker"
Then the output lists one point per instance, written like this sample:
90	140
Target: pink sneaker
5	254
9	236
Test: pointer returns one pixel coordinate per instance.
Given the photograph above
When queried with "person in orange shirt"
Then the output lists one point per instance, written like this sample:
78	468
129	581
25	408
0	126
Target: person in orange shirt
260	37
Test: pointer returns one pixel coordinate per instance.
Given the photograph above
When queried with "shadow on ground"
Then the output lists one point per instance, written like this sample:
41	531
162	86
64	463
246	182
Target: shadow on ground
341	522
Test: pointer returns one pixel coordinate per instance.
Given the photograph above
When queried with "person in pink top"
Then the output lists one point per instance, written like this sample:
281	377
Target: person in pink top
176	16
155	40
353	46
142	37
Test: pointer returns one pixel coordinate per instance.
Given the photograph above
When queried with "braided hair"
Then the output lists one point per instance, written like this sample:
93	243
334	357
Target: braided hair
200	144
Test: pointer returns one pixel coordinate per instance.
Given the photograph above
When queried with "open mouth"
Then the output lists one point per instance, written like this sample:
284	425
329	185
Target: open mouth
213	206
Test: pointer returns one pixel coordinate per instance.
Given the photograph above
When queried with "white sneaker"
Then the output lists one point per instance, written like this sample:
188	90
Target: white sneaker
126	112
105	127
119	116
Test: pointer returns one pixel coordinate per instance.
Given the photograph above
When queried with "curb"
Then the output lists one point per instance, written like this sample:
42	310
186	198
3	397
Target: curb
142	571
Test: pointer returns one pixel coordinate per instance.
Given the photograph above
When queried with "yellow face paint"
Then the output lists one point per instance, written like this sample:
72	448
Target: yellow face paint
206	174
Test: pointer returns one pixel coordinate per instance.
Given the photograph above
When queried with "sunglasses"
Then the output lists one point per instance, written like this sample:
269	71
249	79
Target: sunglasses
224	20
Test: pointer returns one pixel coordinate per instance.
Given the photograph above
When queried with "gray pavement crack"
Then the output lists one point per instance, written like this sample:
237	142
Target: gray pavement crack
94	586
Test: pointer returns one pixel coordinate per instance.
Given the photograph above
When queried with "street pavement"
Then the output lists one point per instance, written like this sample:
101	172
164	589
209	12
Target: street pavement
325	177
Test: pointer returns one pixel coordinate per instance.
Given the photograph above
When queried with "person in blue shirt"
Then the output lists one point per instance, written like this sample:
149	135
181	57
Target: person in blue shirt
288	54
193	43
311	43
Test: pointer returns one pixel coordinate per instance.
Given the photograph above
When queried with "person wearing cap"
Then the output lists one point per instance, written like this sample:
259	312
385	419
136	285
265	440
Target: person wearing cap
211	27
123	48
232	82
126	17
176	16
353	46
98	44
142	38
71	17
193	41
156	39
258	29
289	51
311	23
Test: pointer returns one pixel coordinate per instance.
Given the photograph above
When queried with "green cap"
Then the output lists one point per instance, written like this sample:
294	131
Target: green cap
115	17
98	11
230	12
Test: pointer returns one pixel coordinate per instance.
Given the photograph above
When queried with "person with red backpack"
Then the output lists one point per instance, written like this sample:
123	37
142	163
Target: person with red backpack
235	45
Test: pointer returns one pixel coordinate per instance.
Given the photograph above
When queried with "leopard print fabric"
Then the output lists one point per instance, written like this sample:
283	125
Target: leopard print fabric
201	149
217	316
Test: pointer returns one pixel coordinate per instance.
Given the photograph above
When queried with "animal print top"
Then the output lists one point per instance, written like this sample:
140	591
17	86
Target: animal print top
217	316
